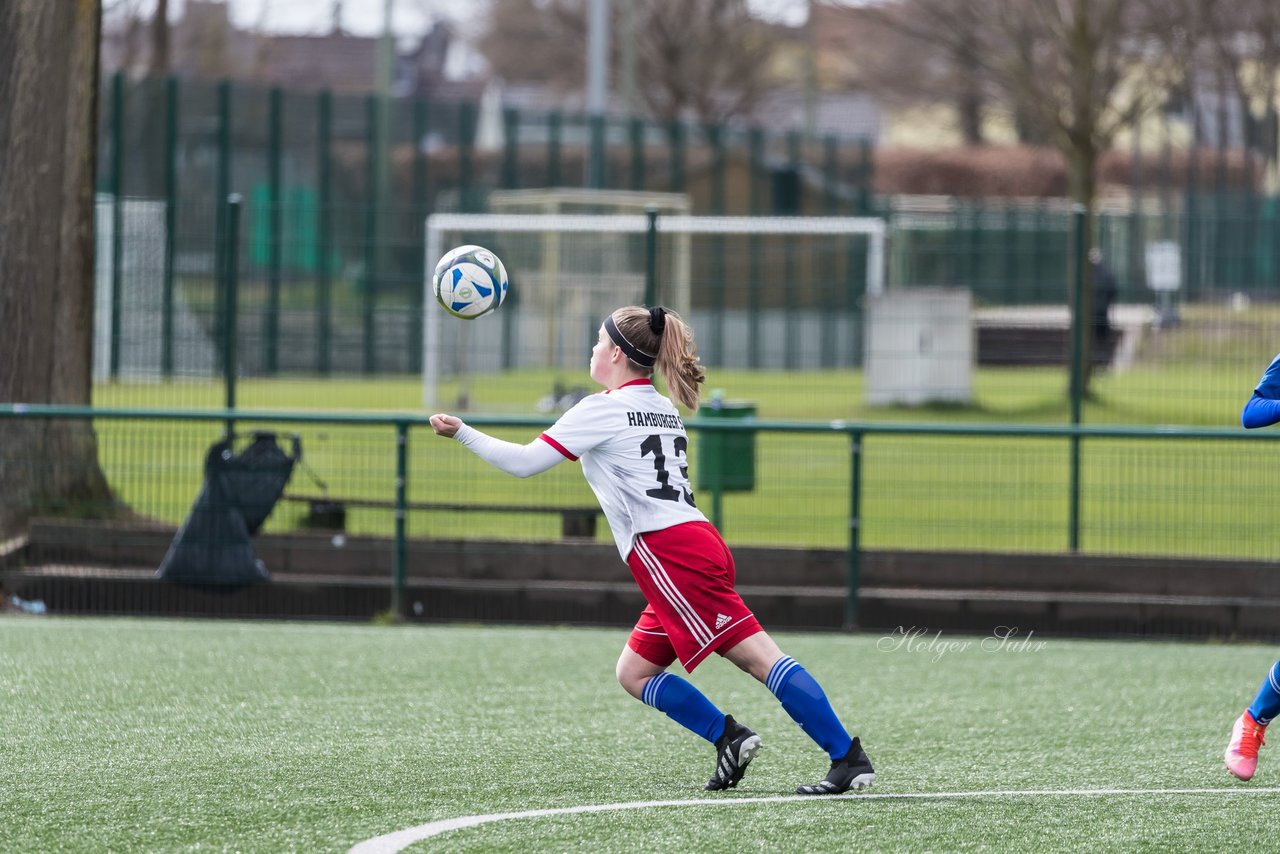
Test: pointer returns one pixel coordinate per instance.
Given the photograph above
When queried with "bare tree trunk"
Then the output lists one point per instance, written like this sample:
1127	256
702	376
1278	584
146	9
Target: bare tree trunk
48	124
969	107
970	102
160	40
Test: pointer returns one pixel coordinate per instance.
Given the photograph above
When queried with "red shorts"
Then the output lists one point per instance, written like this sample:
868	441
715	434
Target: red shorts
686	572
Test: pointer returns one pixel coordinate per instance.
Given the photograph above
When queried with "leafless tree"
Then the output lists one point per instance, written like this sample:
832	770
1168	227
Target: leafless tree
1084	70
1070	72
48	104
126	25
160	40
707	59
928	51
537	41
1242	50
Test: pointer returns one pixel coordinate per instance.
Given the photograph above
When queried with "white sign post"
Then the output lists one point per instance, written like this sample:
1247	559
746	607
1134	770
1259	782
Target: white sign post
1164	276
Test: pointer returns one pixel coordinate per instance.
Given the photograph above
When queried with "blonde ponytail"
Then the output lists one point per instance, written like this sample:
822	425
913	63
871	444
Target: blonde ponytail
672	343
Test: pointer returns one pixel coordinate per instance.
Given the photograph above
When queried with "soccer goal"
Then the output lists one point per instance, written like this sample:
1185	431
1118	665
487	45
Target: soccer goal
762	292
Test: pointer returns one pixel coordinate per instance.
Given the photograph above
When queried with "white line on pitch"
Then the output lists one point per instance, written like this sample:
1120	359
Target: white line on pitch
401	839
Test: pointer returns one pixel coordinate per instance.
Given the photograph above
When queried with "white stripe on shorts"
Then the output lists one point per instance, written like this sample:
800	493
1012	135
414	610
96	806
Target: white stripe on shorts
697	627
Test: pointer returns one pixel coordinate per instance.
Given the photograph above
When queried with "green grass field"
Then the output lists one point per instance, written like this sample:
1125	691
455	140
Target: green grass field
170	735
1147	498
1139	498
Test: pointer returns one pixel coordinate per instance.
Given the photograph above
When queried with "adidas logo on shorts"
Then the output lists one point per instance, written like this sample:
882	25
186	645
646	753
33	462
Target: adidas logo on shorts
721	619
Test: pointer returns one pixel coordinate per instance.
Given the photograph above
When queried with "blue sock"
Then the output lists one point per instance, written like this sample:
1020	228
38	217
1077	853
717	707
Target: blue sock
684	704
806	702
1267	704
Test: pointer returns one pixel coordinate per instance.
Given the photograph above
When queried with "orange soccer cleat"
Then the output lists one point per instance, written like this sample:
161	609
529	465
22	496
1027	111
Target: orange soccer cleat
1241	757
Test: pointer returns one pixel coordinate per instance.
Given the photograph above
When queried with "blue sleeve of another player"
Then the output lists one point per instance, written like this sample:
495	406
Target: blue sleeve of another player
1260	412
1263	408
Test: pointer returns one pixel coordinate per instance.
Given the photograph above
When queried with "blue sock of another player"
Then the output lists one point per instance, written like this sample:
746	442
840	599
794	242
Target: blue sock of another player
806	702
685	705
1266	705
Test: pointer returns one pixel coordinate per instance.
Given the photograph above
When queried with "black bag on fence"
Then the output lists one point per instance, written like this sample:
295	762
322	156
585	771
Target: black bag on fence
213	546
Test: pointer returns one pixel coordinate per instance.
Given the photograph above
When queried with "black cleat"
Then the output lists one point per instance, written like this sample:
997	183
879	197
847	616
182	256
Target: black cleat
854	771
734	751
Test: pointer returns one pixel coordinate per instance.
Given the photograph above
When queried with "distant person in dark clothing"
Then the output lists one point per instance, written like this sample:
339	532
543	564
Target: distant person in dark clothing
1104	294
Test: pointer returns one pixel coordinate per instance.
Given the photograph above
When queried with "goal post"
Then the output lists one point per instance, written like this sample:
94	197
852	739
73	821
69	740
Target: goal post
758	275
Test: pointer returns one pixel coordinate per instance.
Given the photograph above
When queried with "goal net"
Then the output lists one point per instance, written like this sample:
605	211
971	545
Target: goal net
765	293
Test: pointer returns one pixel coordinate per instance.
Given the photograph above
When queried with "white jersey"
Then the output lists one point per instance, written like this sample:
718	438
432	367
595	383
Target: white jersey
634	450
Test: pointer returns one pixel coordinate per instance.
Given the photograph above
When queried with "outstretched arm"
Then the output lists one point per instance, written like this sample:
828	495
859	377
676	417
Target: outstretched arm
519	460
1260	411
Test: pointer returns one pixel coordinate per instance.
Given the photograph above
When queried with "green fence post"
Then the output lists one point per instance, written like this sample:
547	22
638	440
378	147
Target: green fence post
466	152
421	204
398	556
275	230
972	278
755	146
651	257
791	328
715	138
170	222
231	288
1191	254
716	479
223	188
1250	214
117	216
675	135
865	169
1166	183
324	284
555	124
827	279
854	566
222	191
1078	217
637	128
510	181
1025	270
373	204
1137	224
830	174
595	159
855	289
1010	246
511	148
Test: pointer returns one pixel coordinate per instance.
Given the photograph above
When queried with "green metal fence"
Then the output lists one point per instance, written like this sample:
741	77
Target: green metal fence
1135	492
330	267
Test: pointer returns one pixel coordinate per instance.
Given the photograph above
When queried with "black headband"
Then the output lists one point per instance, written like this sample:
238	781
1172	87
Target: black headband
633	352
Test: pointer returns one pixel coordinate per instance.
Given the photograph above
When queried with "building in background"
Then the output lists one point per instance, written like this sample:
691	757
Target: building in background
206	44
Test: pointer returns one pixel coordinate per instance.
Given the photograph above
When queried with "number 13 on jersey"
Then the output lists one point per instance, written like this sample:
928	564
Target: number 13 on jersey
665	491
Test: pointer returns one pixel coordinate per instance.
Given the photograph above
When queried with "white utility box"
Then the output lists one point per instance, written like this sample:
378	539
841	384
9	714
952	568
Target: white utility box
919	347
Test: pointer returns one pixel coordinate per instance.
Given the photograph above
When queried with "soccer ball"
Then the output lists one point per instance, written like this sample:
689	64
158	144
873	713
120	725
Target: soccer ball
470	281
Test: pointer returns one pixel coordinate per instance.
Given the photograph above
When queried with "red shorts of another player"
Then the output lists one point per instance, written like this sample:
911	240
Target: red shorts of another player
686	572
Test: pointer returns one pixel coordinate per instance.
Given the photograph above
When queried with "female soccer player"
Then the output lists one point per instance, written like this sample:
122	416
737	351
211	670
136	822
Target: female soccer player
632	445
1261	410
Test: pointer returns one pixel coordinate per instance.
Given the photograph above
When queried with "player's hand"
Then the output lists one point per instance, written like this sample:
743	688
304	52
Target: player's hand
445	425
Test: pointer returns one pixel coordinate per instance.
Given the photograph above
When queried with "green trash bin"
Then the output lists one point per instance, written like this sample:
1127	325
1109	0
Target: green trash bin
732	454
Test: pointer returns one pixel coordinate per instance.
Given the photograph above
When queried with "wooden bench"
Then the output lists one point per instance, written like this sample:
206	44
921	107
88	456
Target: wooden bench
329	512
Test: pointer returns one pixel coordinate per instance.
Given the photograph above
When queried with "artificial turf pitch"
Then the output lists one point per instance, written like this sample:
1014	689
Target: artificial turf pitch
175	735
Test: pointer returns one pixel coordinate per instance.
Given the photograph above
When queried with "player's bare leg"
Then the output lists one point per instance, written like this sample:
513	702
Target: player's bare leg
634	672
736	745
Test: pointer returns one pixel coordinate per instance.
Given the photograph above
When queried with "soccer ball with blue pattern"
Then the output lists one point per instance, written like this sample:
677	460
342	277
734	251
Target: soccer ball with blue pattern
470	281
